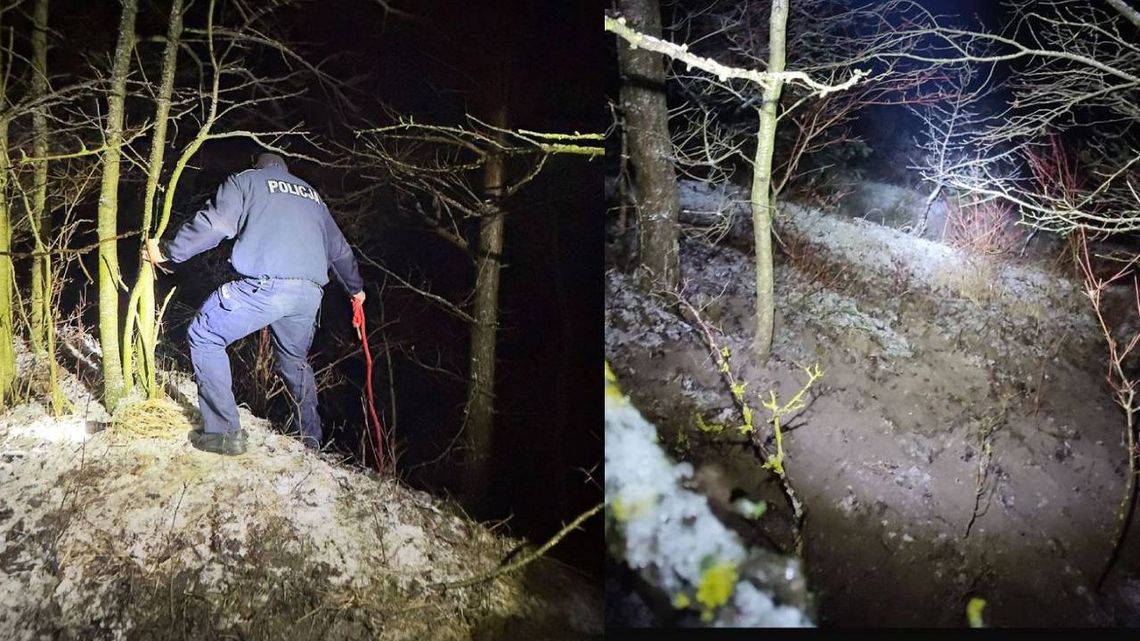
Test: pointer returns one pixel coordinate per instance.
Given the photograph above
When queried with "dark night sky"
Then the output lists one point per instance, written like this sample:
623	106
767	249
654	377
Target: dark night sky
551	340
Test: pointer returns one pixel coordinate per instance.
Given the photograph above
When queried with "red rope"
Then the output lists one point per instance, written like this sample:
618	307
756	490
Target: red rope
378	429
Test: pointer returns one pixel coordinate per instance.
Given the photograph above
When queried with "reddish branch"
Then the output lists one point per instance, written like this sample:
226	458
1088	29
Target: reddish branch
1054	171
982	228
1122	382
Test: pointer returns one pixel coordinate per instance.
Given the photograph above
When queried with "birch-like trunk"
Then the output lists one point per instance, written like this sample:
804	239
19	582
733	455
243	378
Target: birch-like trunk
43	280
763	202
7	274
141	309
109	277
39	217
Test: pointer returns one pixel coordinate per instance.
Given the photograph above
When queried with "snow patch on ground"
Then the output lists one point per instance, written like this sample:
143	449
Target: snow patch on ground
95	527
35	423
878	251
843	313
669	534
975	296
633	322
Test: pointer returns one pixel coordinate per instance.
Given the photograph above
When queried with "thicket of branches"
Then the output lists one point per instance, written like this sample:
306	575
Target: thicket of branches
829	43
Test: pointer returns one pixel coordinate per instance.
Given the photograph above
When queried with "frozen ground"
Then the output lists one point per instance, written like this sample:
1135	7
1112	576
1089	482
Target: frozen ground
107	536
952	386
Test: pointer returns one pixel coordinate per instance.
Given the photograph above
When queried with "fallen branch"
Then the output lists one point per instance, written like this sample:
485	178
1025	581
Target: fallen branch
512	567
987	425
774	462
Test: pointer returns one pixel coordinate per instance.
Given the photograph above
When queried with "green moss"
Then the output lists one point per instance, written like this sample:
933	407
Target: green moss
681	443
708	428
974	612
613	392
623	510
716	586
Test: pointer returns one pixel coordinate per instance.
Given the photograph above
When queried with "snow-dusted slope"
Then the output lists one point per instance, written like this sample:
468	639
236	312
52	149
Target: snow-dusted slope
109	537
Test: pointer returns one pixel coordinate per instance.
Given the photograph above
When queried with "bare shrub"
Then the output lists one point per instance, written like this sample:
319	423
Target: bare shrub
983	228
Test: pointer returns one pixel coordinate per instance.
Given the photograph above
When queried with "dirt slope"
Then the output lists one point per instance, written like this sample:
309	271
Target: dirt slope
962	441
106	536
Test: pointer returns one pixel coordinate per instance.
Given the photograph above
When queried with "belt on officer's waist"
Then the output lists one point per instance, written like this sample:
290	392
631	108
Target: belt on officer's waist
265	279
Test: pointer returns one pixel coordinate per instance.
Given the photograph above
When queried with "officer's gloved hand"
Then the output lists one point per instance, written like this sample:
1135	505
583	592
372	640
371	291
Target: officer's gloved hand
358	296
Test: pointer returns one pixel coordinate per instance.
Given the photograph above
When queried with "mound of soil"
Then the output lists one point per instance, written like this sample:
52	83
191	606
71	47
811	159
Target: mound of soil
107	536
961	443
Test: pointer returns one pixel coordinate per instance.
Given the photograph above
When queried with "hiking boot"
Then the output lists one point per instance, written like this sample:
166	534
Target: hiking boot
199	430
226	444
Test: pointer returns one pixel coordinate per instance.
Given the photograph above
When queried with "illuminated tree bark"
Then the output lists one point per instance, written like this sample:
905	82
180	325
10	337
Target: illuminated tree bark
7	280
650	149
481	373
763	203
107	216
43	317
39	217
141	310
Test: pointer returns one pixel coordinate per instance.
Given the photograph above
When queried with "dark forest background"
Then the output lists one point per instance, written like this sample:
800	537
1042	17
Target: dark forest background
437	63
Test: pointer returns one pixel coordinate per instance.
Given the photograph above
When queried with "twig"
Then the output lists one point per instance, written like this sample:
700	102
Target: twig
500	571
772	462
76	251
724	72
720	355
443	302
174	518
986	430
1041	373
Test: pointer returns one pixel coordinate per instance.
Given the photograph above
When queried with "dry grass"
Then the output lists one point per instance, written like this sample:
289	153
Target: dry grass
975	281
153	418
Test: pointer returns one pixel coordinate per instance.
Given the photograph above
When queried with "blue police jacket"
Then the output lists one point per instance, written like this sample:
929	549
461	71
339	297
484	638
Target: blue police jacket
282	226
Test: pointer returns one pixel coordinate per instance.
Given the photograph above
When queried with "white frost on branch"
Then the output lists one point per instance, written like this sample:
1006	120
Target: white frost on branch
724	72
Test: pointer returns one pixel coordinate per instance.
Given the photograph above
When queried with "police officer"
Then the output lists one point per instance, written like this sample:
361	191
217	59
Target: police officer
286	243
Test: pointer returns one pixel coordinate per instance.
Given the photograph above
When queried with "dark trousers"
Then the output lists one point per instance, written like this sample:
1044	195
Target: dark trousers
237	309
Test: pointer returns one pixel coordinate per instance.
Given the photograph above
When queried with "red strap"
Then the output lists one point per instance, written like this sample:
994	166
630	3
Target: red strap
378	429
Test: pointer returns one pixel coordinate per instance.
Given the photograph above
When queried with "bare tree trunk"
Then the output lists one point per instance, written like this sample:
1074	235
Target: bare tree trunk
763	202
650	150
7	280
109	276
141	309
43	315
481	376
39	216
7	274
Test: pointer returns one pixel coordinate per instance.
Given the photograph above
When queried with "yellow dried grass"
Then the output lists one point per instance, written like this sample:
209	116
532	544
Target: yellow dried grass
152	418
